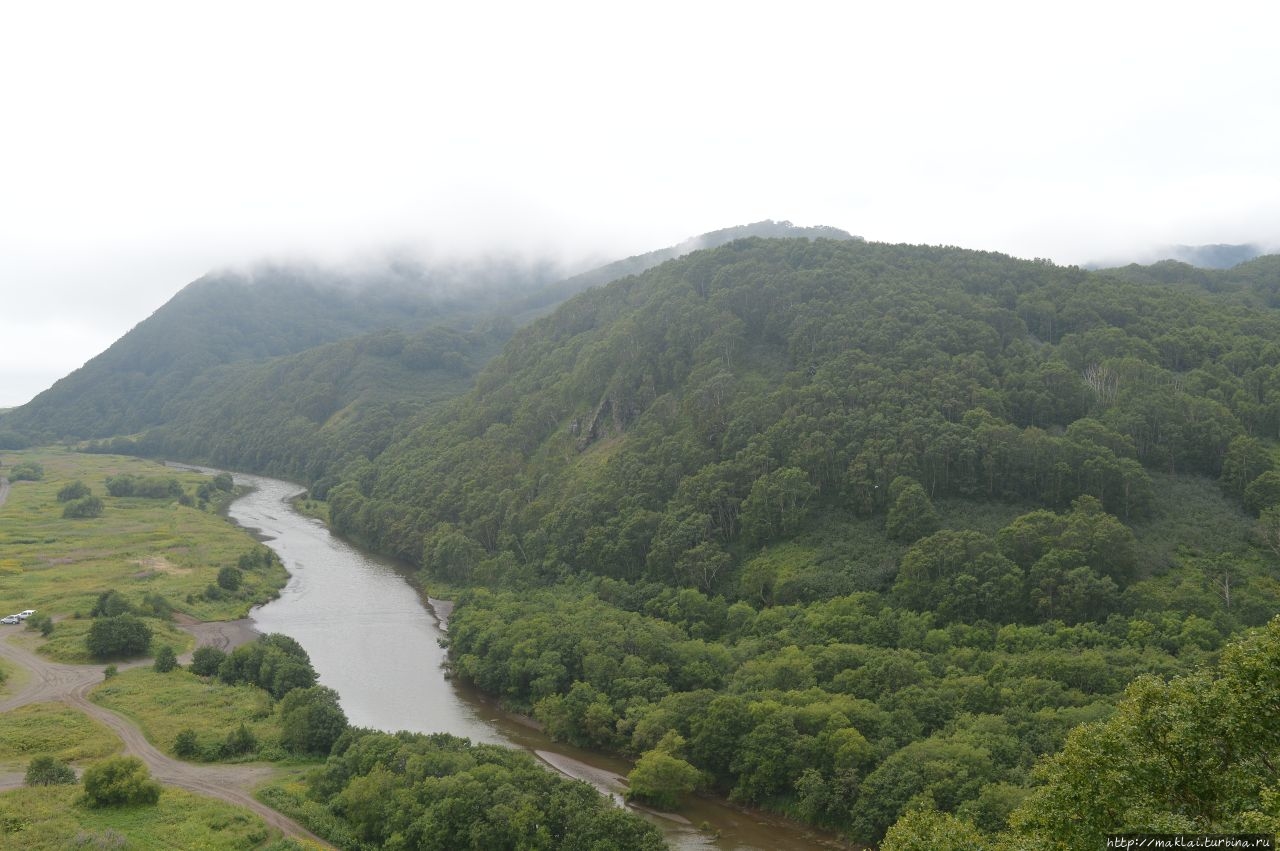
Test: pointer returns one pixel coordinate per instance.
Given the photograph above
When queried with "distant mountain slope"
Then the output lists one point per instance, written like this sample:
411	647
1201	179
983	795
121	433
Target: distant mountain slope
1216	256
233	317
199	379
1256	280
302	416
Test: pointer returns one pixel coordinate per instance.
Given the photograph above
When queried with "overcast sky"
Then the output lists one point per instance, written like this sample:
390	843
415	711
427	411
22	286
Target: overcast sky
142	144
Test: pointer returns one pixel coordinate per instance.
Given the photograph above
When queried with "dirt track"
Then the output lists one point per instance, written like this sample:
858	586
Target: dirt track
71	684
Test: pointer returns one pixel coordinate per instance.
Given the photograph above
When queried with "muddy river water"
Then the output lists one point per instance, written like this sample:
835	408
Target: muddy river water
374	640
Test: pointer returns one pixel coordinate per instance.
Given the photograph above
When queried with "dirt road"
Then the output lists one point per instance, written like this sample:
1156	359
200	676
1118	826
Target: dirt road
71	684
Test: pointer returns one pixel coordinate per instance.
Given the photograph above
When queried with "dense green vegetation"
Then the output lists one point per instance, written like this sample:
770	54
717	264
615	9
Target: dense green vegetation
859	533
847	526
409	790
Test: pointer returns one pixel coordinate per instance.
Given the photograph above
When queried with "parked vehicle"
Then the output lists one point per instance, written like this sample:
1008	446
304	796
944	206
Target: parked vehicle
11	619
23	615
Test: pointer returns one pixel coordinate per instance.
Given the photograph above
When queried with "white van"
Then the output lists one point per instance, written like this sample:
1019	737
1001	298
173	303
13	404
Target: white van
22	616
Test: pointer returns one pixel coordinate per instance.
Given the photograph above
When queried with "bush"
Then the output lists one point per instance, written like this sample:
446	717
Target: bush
110	603
238	742
47	771
123	635
43	623
73	490
90	506
109	672
186	745
166	660
229	578
26	472
157	606
206	661
119	781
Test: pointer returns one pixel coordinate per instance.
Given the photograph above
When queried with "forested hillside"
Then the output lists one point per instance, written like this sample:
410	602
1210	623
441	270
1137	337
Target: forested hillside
306	415
295	370
849	529
248	317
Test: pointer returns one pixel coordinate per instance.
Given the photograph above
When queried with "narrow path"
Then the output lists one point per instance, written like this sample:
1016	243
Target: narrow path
71	684
4	490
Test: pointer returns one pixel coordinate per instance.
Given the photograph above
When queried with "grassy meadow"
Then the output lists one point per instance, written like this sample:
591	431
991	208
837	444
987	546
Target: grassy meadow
54	729
163	705
50	819
138	547
145	549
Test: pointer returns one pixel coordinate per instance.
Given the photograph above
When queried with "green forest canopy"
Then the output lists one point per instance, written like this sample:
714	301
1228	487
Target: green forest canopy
696	496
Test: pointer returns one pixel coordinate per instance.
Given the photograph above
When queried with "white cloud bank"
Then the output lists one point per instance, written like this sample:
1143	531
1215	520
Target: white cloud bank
147	142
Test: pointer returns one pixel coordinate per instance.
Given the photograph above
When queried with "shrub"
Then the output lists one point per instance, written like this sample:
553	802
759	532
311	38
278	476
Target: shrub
186	745
206	661
29	471
47	771
155	604
240	741
43	623
110	603
73	490
229	578
90	506
166	660
119	781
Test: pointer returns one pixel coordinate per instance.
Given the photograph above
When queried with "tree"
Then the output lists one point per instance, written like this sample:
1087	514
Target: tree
1245	461
122	635
274	662
119	781
311	720
1263	492
165	660
776	505
661	779
1269	528
912	516
926	829
46	771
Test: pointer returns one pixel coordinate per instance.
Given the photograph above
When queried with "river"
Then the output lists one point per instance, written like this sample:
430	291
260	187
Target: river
372	639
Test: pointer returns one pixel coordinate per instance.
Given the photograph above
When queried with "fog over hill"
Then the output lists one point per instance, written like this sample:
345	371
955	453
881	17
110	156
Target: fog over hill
240	316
